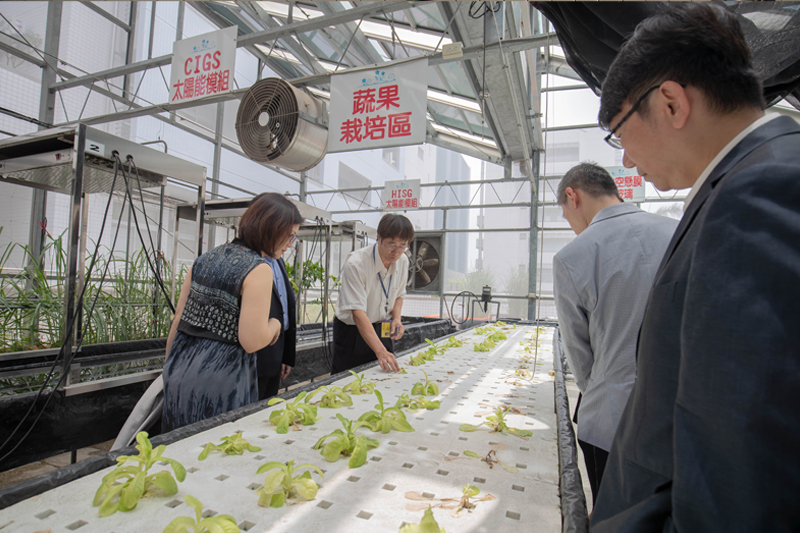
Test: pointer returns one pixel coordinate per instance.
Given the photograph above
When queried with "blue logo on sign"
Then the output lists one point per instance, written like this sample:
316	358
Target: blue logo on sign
205	45
379	78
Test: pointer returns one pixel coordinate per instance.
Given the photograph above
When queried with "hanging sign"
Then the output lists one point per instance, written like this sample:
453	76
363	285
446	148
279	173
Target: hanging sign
629	183
203	65
400	195
378	107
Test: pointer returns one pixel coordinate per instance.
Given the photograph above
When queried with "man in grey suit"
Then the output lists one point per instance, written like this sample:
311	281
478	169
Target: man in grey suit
709	439
602	279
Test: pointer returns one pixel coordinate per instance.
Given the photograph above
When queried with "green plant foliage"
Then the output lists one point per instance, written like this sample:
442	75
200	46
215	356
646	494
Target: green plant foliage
497	336
491	460
358	385
453	342
334	398
385	419
426	525
484	346
429	388
417	360
484	330
232	445
413	404
346	443
122	488
294	413
496	422
282	484
221	523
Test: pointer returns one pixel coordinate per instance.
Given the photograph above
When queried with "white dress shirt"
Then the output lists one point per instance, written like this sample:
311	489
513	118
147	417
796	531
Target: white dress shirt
722	153
362	289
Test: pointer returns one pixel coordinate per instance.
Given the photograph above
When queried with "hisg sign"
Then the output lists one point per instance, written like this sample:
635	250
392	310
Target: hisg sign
203	65
400	195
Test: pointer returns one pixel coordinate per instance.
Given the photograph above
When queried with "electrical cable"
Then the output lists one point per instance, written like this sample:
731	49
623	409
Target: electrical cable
69	329
454	302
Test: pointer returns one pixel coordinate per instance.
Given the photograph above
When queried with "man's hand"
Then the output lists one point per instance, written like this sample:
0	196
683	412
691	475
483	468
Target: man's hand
387	361
285	371
397	329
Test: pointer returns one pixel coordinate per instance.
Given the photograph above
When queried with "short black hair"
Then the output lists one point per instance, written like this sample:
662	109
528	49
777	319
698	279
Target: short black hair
394	226
697	44
267	222
590	178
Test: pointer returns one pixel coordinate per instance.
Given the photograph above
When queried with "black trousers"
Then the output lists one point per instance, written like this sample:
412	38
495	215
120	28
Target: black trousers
268	386
595	459
349	348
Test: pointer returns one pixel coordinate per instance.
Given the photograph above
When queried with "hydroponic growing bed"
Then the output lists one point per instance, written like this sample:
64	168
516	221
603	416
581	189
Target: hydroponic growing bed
402	476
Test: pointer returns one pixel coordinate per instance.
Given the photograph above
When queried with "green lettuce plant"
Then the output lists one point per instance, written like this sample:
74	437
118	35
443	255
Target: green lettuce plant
426	525
122	488
385	419
232	445
496	422
358	385
294	413
484	346
412	404
334	398
497	336
429	388
453	342
221	523
346	443
283	484
417	360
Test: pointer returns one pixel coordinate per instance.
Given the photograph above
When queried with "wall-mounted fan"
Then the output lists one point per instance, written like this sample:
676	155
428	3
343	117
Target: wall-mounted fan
279	124
424	256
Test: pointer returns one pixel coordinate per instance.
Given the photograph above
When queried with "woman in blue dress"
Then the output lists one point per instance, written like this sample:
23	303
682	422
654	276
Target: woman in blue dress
222	318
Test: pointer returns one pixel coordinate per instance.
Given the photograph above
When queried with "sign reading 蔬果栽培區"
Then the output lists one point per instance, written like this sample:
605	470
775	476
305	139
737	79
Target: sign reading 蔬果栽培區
378	107
203	65
400	195
629	183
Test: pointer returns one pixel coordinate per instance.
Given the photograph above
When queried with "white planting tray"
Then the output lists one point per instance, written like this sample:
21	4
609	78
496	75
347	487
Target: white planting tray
372	497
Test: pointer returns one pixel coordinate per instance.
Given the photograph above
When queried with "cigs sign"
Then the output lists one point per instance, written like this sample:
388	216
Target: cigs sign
203	65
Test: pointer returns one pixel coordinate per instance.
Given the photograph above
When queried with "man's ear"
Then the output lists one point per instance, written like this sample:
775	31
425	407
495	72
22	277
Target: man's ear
676	103
573	196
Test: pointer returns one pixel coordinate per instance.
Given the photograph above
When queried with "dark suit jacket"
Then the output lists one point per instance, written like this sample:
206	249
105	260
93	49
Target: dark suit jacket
283	351
710	438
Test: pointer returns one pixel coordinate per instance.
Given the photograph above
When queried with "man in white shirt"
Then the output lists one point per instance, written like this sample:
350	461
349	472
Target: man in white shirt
368	313
709	438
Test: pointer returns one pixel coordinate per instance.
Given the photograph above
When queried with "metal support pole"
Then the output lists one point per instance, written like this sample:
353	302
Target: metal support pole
533	254
176	236
127	81
443	264
216	166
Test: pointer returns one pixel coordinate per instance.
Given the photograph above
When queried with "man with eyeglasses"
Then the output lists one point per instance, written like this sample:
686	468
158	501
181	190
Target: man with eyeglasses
370	301
709	438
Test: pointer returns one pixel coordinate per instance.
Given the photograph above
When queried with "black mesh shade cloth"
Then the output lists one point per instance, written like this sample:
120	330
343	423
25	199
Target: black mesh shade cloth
591	34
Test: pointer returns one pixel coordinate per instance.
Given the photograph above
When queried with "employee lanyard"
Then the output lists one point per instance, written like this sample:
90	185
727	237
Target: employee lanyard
383	287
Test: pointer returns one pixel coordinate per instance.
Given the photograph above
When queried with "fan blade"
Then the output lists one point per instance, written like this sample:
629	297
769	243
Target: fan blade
422	250
424	275
430	262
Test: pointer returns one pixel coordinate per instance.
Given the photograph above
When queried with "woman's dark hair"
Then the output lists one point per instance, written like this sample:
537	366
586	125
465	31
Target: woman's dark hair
268	221
689	43
590	178
395	227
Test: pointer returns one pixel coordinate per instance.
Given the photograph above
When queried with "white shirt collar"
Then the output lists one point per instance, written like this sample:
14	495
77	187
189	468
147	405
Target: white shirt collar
722	153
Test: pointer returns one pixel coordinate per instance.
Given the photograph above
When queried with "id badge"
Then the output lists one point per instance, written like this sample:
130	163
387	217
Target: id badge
386	328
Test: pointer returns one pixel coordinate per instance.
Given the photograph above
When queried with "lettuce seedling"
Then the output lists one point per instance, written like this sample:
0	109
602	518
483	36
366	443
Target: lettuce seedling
491	459
484	346
334	398
125	485
221	523
295	413
484	330
437	350
282	484
347	443
412	404
496	422
428	389
497	336
452	342
232	445
386	418
417	360
358	385
426	525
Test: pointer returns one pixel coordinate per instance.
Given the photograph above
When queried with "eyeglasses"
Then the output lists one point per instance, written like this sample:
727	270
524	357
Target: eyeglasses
396	248
612	138
292	238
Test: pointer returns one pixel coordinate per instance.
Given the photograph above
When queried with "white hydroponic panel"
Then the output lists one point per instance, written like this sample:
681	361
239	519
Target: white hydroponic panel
372	497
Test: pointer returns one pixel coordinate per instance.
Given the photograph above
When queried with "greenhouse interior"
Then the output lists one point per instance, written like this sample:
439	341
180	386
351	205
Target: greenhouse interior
453	138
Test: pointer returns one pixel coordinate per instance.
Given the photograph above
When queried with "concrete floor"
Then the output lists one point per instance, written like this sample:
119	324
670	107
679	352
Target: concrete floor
21	473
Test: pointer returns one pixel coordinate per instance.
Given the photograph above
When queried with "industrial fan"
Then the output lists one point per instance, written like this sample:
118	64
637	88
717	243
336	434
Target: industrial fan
424	263
279	124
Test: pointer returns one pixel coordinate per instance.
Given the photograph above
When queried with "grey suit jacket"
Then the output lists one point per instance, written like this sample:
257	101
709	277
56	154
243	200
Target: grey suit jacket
602	279
710	438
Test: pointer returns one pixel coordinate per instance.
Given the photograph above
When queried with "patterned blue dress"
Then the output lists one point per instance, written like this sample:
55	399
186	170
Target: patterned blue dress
207	372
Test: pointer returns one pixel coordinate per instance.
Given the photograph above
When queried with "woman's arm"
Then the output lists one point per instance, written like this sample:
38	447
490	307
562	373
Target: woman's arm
185	288
256	329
